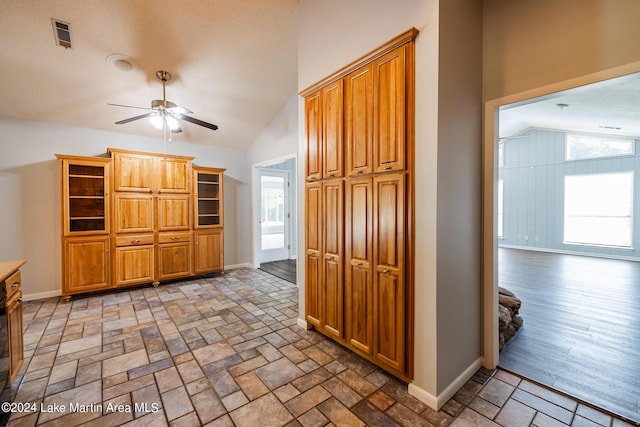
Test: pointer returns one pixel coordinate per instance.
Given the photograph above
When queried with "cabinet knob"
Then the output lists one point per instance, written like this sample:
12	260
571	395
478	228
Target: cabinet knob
135	241
175	238
359	171
359	264
387	167
15	285
386	270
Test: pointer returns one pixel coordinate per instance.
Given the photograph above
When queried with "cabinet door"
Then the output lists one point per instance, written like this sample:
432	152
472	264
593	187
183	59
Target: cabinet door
389	292
313	238
332	286
133	213
85	264
134	264
16	345
359	257
174	255
208	251
133	172
208	200
389	98
313	133
359	121
175	176
173	212
85	196
332	138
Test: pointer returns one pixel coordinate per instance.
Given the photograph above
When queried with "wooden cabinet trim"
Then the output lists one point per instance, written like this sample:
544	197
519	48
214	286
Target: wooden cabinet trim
404	38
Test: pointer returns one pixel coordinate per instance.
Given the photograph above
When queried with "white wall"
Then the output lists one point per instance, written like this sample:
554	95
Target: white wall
327	42
30	191
279	139
277	142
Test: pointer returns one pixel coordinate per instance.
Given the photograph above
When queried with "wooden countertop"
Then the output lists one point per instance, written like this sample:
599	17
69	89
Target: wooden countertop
7	268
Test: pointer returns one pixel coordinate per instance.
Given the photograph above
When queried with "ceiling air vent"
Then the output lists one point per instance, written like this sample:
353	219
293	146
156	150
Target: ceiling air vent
62	32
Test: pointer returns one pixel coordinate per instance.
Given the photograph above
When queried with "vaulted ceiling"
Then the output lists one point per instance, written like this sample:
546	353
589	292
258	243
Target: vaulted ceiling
234	63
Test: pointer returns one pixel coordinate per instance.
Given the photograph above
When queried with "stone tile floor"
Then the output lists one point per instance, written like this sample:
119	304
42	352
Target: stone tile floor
224	351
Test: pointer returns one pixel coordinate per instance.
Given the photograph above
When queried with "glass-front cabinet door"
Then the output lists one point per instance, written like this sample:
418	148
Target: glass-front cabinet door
85	195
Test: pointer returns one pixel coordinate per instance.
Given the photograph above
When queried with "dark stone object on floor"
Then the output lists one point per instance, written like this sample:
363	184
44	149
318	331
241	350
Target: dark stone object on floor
508	318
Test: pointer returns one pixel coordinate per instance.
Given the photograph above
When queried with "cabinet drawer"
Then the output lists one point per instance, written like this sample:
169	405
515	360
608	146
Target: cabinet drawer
134	240
174	237
13	283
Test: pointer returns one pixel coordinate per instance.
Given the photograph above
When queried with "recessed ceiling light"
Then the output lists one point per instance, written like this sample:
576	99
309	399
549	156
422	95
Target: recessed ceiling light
562	106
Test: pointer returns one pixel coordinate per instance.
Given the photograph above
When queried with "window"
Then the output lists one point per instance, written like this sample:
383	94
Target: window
500	208
592	146
598	209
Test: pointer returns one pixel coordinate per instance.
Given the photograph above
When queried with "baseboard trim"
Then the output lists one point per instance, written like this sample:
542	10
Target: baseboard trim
302	323
41	295
437	402
235	266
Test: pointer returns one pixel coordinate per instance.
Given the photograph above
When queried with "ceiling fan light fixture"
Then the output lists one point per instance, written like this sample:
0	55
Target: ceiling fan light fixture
158	122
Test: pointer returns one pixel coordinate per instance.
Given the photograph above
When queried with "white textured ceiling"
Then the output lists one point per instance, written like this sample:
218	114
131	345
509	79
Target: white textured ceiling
234	63
611	107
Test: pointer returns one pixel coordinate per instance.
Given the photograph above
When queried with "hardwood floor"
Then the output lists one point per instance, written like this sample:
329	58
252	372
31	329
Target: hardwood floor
581	332
285	269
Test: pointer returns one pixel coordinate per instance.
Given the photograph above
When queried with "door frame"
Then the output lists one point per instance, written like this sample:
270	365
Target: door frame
491	112
287	207
255	202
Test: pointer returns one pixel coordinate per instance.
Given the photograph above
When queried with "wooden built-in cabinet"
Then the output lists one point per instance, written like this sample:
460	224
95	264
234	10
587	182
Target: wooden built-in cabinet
208	238
11	283
138	227
359	206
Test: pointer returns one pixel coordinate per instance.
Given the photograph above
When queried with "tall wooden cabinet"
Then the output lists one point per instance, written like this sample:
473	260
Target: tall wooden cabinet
208	238
128	219
86	264
359	205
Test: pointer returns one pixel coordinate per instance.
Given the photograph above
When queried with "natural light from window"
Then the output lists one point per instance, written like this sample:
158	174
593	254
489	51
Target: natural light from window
598	209
580	147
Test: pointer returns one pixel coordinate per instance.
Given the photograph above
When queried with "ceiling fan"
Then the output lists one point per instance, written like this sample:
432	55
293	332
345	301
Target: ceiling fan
165	114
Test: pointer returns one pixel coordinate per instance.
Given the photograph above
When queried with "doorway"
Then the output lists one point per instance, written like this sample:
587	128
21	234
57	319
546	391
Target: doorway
534	253
275	215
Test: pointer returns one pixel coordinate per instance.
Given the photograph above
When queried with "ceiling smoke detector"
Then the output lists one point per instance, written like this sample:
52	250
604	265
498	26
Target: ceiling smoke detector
62	33
121	62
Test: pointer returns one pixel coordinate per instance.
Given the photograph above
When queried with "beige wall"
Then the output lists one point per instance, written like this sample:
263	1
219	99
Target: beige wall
459	188
529	44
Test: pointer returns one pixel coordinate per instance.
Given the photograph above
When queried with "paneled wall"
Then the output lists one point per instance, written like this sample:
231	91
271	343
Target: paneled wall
533	178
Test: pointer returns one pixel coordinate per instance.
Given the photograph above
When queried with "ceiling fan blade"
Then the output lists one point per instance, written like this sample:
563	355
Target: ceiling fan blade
129	106
197	122
177	110
130	119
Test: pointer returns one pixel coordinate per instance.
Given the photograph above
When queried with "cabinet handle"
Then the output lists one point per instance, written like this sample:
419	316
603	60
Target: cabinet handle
387	167
175	238
135	241
359	171
359	264
16	284
386	270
